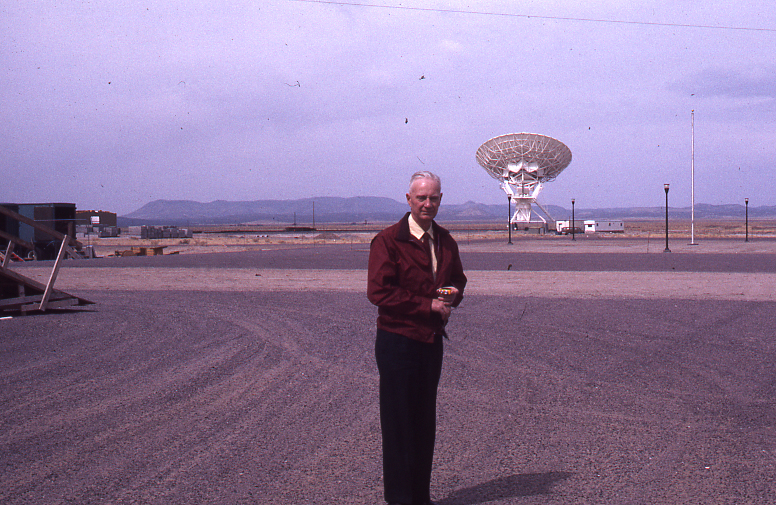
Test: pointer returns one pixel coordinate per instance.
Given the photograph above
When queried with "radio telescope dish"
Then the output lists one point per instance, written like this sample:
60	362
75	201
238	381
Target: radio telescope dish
522	163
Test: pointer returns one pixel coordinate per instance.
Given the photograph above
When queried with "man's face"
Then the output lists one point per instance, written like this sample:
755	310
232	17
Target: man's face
424	197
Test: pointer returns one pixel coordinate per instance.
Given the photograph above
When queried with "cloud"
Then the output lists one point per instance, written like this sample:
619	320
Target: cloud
731	83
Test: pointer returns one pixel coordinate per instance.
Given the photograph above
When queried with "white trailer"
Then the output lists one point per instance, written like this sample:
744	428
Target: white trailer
610	226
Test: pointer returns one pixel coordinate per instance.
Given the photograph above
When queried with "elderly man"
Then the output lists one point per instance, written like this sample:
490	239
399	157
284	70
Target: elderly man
415	278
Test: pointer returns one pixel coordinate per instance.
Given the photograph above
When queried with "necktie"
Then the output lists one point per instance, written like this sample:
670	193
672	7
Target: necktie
431	258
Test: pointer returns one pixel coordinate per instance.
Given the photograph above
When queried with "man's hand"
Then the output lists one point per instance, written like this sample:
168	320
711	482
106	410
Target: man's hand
441	308
448	294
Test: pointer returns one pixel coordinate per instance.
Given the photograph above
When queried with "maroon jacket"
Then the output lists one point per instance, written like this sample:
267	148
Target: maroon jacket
401	283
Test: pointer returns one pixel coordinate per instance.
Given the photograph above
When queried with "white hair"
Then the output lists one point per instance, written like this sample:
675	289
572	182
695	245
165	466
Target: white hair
425	174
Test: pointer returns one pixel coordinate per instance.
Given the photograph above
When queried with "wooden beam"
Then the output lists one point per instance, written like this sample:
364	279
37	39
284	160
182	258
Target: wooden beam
22	280
34	300
17	240
30	299
45	229
65	302
7	255
72	252
19	301
53	276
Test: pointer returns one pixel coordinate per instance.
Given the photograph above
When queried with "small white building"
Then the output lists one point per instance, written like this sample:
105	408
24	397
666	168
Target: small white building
611	226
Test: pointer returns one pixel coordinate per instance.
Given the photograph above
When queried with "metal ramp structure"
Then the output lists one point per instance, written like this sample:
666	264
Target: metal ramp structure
20	293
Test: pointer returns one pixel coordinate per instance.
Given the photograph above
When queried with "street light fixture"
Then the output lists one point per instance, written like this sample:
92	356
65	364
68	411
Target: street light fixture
665	186
746	201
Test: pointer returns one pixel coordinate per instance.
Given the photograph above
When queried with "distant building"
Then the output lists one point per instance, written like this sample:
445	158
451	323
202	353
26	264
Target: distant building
97	222
103	218
159	232
591	226
611	226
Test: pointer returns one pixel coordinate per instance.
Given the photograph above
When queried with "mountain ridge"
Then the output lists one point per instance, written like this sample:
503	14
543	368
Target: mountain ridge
375	208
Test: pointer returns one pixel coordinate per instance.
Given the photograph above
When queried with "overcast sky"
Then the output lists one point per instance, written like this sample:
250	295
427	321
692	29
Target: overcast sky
111	105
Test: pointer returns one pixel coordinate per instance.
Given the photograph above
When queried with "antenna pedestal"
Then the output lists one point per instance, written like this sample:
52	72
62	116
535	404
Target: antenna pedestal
523	194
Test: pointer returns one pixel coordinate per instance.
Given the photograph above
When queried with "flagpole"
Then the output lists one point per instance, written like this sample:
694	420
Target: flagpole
692	176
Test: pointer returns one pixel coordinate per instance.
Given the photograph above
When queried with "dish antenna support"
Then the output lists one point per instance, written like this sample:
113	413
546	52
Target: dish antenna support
522	163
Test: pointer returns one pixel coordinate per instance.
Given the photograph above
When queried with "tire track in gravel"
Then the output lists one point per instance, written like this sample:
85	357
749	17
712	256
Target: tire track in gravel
307	379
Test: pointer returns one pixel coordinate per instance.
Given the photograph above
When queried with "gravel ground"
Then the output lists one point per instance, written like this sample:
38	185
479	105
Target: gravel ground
591	381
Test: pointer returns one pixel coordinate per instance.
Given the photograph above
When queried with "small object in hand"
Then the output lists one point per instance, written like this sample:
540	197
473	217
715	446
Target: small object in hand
445	291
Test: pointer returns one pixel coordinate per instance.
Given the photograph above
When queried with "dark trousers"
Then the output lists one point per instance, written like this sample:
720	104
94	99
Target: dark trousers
409	377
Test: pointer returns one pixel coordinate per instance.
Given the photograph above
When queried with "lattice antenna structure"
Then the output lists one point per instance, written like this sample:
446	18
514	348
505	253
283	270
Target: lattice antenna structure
522	163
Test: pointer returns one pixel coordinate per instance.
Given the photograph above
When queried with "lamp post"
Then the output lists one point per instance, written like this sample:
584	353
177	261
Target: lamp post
572	220
509	217
746	201
665	186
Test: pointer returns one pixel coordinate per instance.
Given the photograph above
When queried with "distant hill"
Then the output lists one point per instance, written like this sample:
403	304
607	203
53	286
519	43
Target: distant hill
371	208
324	209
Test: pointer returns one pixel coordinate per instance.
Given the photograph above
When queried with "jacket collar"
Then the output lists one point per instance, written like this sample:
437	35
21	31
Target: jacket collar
404	229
